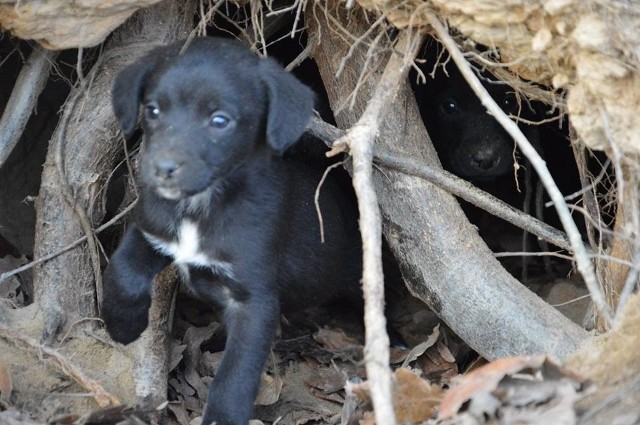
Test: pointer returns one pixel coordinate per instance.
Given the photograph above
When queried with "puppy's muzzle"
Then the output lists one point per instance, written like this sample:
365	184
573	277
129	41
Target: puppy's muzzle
166	169
167	172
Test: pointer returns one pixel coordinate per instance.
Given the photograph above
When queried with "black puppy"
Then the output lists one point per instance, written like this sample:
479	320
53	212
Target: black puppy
218	200
469	141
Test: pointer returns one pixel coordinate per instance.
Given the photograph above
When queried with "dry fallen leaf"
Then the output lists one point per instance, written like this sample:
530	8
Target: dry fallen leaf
368	419
175	354
531	390
193	339
419	349
270	389
337	342
328	379
484	380
414	399
180	412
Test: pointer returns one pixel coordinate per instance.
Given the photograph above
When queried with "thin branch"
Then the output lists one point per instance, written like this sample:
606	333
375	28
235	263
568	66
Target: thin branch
467	191
580	253
6	275
452	184
586	188
29	85
316	197
360	139
304	55
102	396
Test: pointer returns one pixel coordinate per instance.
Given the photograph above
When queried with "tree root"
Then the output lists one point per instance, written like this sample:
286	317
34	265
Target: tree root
441	256
33	76
30	345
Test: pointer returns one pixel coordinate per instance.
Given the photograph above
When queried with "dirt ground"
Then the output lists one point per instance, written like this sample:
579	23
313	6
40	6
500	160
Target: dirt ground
315	374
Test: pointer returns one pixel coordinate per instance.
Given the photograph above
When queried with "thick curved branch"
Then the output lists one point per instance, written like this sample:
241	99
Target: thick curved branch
29	85
442	258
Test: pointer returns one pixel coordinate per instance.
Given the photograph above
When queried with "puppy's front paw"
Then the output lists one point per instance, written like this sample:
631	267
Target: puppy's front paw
124	325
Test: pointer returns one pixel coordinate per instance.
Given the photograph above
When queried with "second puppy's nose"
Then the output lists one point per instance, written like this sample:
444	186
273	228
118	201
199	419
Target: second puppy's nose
485	159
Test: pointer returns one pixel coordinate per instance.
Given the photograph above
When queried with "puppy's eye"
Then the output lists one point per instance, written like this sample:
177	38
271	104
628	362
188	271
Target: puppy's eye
219	120
152	111
449	106
509	103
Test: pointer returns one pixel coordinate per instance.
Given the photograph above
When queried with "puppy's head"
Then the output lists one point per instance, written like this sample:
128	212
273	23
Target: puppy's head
205	111
469	141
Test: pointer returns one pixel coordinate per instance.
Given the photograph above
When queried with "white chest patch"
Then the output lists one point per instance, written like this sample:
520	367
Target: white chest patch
186	250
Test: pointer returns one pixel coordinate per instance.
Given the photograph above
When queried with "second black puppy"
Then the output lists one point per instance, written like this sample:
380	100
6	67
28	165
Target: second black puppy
217	199
469	141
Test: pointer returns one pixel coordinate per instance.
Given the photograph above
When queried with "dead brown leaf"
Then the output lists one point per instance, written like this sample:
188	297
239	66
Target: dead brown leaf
435	367
193	339
368	419
333	379
209	363
175	354
484	380
420	349
359	390
398	355
180	412
414	399
339	343
532	390
270	389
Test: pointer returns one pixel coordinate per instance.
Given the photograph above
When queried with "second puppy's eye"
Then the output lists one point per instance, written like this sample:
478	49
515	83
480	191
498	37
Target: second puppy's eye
219	120
509	103
449	106
152	111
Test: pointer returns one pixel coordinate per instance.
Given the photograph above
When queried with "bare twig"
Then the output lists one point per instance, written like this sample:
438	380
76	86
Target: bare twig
6	275
316	197
587	187
30	82
467	191
102	396
305	54
580	253
360	140
452	184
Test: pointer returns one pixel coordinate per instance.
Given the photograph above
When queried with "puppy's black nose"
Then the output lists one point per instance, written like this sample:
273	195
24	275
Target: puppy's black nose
166	168
485	159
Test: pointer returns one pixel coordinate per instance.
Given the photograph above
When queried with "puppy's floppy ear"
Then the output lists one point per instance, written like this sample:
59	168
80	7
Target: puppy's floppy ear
126	93
290	105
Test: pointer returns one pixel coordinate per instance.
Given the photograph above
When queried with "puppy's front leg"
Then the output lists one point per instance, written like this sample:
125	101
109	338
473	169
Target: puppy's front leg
251	325
127	286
